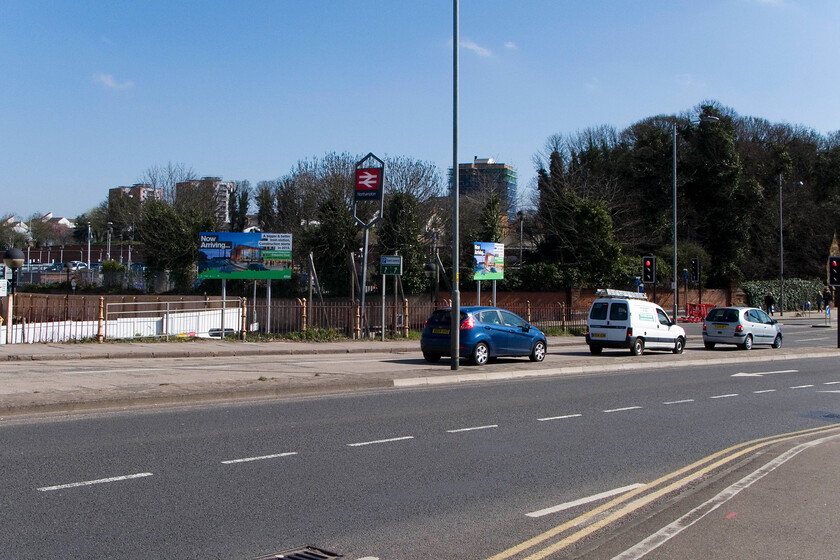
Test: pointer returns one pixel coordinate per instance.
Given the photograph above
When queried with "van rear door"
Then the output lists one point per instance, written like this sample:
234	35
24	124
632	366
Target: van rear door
608	322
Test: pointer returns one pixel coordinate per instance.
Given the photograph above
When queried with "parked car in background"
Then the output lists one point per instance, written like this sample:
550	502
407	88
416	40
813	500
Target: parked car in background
76	265
485	333
742	326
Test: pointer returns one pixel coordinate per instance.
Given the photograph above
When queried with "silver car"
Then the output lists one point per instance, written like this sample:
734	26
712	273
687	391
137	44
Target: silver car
743	326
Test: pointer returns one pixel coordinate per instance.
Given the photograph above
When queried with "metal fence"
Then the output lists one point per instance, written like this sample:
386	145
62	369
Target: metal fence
66	318
347	318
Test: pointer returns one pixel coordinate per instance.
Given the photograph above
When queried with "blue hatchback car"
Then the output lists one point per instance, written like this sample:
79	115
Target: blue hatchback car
486	332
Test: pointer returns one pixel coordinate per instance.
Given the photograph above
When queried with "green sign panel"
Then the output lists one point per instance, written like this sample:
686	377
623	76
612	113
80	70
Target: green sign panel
391	265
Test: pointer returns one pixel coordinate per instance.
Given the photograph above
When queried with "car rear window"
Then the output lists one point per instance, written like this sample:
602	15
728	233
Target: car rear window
723	315
599	311
443	317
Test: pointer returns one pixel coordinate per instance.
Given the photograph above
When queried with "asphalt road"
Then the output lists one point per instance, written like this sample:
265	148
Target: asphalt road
451	472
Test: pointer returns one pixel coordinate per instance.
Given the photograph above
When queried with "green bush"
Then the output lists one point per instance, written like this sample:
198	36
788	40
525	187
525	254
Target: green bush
797	292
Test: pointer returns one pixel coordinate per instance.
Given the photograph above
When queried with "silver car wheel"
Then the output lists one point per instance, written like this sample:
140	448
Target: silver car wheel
481	353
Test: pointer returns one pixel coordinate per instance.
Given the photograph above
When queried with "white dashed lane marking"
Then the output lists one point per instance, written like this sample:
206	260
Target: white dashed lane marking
92	482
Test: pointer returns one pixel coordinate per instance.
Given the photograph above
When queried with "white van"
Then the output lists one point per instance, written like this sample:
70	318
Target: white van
620	319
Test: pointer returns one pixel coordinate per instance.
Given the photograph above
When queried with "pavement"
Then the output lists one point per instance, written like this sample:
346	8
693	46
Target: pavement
781	501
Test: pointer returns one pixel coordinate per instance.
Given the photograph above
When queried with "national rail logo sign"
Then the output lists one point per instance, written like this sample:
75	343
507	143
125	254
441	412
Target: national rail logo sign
369	183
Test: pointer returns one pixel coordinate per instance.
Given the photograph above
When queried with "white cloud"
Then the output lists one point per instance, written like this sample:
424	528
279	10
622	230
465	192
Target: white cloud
511	45
685	79
594	83
109	81
477	49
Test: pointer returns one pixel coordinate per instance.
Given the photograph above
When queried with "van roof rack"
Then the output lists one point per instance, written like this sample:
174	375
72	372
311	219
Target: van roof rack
624	294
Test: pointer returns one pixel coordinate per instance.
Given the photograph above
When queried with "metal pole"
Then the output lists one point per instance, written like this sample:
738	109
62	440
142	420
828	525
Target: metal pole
364	284
108	252
674	285
781	255
268	306
455	333
383	308
224	298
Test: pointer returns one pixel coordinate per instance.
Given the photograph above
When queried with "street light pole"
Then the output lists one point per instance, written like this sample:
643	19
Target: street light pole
455	323
108	252
674	285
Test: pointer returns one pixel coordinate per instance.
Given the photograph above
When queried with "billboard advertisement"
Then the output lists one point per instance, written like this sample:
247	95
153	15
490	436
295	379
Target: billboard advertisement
244	256
489	261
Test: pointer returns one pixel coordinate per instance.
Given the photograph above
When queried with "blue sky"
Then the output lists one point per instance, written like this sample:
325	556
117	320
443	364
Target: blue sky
95	93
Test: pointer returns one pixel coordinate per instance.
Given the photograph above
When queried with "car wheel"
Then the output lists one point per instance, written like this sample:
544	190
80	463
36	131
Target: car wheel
431	358
480	354
747	345
679	345
777	343
709	345
638	347
538	351
595	350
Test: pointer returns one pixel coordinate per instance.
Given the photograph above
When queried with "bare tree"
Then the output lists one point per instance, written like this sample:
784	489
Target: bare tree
421	179
166	177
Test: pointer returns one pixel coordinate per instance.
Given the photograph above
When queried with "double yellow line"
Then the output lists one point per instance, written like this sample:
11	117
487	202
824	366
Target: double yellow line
671	482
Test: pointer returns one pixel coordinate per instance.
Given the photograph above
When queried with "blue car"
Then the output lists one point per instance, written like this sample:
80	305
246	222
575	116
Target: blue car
486	332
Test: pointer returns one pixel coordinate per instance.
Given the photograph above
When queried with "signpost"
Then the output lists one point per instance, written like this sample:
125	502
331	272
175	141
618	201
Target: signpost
389	265
369	187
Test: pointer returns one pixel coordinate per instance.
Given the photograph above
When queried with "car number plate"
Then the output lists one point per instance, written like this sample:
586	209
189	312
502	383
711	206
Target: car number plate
721	327
598	335
440	331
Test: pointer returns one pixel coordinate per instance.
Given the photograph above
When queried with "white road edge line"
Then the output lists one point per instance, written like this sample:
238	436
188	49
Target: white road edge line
559	417
260	458
724	396
801	387
679	402
92	482
472	429
832	383
764	391
670	531
622	409
582	501
360	444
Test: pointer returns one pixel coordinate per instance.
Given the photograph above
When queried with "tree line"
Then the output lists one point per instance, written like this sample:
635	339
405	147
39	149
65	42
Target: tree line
603	198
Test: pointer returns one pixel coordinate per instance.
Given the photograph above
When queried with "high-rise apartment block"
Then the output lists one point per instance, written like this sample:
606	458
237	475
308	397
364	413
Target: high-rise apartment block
209	192
139	192
485	175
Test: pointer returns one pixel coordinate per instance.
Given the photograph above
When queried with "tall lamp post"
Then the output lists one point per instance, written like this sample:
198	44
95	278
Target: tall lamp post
110	230
13	259
675	284
455	333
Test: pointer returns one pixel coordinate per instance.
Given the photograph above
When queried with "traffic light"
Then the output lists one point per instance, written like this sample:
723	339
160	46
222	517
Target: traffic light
695	270
834	271
649	270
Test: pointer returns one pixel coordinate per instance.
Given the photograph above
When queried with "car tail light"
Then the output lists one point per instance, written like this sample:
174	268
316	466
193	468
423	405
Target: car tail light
468	323
704	326
739	329
629	332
